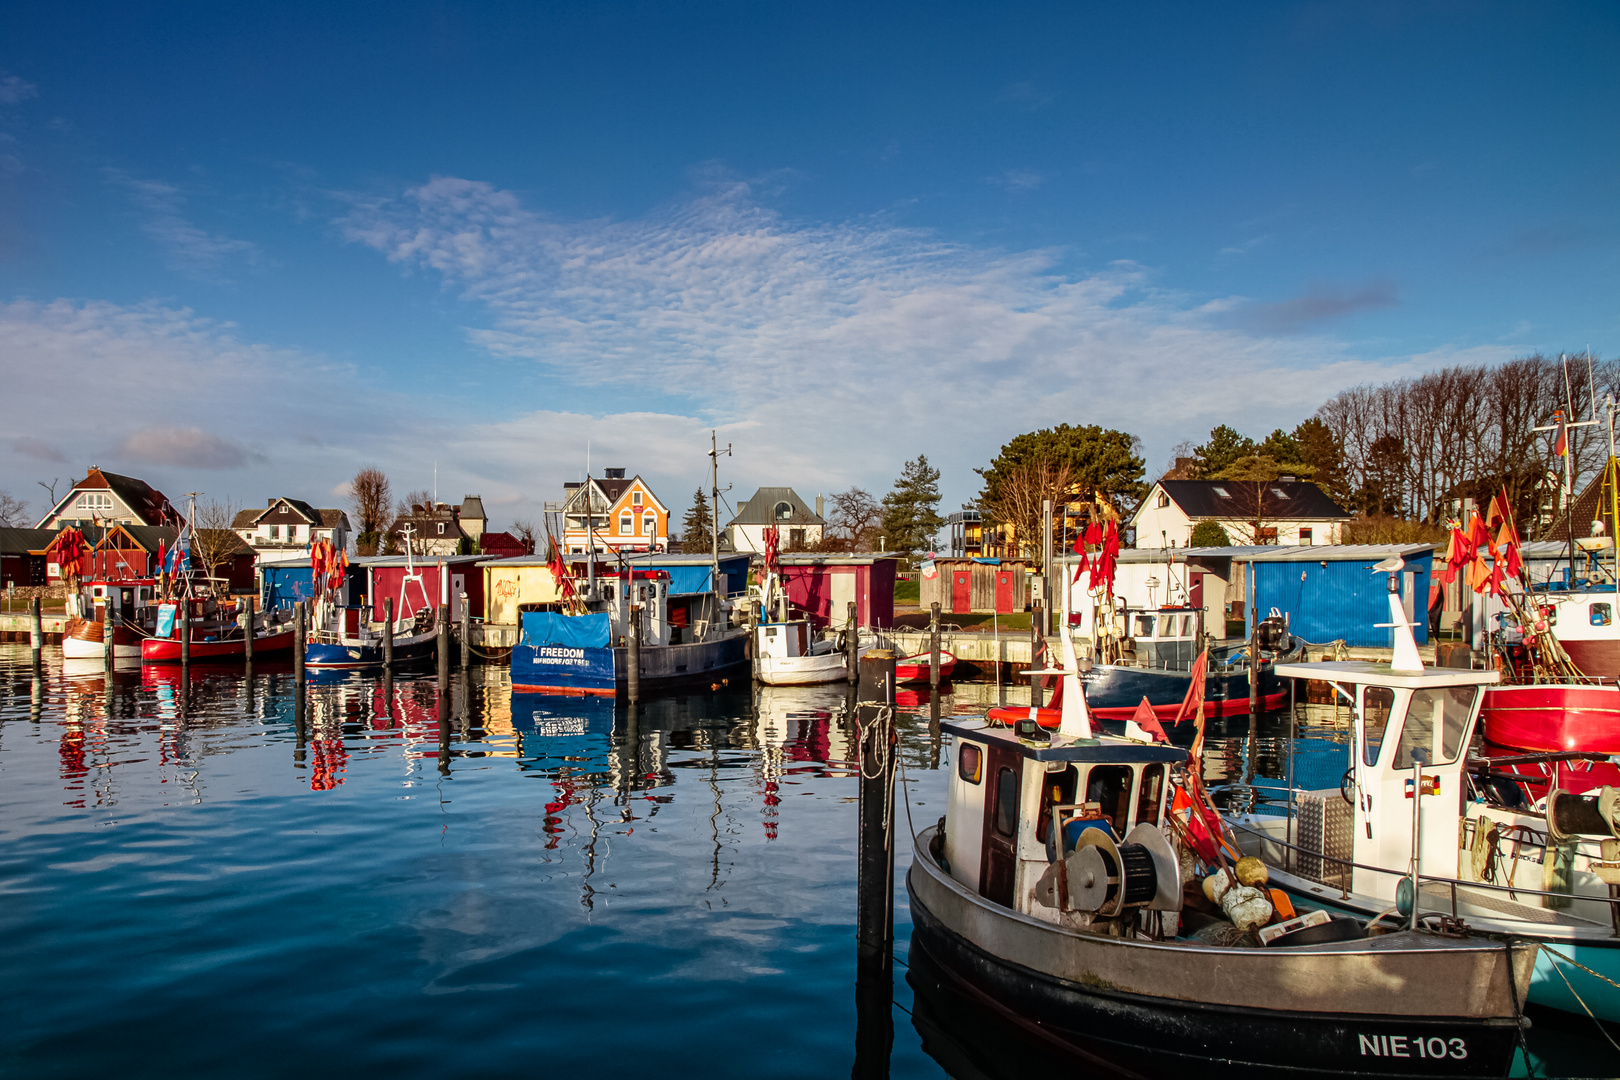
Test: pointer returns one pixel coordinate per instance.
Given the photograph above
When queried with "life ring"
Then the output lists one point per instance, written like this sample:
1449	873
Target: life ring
1011	714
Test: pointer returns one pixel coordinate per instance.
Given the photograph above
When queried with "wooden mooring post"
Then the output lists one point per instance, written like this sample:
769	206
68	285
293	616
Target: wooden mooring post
852	646
249	603
388	633
933	669
298	650
1254	649
874	889
185	634
632	654
108	640
1036	657
466	633
443	642
36	635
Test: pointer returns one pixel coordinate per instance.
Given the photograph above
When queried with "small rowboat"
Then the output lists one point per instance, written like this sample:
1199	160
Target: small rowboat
915	668
167	650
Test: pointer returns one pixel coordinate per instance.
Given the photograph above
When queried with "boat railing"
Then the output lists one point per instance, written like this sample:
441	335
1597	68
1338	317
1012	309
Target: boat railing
1513	891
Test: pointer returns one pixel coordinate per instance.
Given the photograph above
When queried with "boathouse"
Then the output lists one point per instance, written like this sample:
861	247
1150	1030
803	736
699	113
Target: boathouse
1328	592
822	587
443	580
285	584
526	583
22	556
966	585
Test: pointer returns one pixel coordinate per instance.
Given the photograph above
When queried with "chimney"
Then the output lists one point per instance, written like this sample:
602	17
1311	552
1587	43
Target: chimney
613	474
1286	479
820	507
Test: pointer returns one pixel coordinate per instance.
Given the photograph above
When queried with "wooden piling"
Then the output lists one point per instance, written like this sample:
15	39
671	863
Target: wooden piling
185	633
466	633
108	644
1254	649
248	604
852	646
632	651
36	633
1036	659
388	633
443	643
933	667
298	651
874	883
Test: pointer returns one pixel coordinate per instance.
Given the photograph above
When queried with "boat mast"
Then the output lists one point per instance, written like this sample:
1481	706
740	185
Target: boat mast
714	511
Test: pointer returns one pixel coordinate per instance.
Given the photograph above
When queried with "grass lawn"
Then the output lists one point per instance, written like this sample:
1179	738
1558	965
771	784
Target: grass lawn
906	593
1018	622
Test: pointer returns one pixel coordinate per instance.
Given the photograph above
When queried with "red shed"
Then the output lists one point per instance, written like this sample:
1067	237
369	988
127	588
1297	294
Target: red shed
823	585
388	574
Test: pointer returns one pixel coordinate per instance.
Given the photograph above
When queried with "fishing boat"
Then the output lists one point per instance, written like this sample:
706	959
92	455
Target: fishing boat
1458	852
345	638
919	667
789	654
213	638
123	605
583	645
1051	892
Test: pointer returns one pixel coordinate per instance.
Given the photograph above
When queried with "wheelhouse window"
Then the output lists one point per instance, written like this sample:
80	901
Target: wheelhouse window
1148	794
1109	786
1376	703
1435	721
1601	614
1007	802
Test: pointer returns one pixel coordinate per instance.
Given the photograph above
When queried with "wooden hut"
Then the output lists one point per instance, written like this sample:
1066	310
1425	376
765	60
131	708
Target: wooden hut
822	587
961	586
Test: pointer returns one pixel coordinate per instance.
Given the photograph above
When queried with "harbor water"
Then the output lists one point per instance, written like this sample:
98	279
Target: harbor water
198	877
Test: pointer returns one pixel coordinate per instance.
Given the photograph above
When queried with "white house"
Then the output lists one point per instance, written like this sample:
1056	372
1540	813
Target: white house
800	527
285	528
1285	511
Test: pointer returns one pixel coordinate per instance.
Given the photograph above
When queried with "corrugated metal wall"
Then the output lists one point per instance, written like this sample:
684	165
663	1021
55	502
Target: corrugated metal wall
1343	599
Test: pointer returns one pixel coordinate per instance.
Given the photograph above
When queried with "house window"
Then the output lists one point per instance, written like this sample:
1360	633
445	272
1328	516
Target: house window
1222	492
441	528
648	524
784	510
1279	492
275	534
1305	537
1265	536
95	500
1164	500
635	498
625	527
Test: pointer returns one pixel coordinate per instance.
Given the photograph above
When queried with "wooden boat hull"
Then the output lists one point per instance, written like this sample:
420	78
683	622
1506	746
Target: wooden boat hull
1365	1008
167	650
803	670
549	669
84	641
916	668
1553	717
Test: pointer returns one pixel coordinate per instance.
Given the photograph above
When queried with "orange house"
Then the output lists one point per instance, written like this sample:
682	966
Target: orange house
612	513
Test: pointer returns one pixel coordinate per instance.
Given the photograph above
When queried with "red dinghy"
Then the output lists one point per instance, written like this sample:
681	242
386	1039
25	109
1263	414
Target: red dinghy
167	650
915	668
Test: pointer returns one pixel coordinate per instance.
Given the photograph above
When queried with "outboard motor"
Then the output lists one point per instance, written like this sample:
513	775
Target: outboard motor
1272	631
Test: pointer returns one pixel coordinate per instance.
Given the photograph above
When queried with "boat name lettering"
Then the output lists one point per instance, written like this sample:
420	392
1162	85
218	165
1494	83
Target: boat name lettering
1417	1046
552	652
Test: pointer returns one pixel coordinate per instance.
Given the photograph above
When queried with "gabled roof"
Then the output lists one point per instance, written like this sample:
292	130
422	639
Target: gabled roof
325	519
473	507
22	541
1279	499
143	500
761	509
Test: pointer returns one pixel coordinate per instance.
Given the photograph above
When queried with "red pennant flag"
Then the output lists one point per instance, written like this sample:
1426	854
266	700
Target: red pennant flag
1094	533
1195	689
1148	722
1561	446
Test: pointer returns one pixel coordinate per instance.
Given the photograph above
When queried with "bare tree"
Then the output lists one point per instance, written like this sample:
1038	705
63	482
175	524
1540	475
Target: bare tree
525	531
1019	499
13	511
371	499
854	523
214	541
1252	479
411	501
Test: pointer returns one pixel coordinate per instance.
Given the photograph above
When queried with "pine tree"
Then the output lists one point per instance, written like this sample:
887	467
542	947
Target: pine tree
910	518
696	526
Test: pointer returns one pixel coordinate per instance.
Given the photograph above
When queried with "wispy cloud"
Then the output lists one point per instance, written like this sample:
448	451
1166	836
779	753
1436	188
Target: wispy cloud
1323	302
14	89
1027	95
191	447
856	335
190	248
1019	181
38	449
1538	241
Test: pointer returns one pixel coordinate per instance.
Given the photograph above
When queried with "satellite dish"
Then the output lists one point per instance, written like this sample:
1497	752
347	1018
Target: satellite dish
1392	565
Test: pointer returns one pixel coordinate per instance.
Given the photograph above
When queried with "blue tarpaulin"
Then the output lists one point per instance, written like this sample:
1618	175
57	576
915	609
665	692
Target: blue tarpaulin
689	580
571	631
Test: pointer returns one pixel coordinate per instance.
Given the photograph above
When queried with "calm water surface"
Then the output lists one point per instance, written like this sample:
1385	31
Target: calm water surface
191	885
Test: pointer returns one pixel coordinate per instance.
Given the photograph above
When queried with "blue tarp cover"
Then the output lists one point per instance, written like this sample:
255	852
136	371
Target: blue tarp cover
572	631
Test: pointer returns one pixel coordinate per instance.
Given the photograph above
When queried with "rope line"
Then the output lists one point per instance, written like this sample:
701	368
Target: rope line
1578	997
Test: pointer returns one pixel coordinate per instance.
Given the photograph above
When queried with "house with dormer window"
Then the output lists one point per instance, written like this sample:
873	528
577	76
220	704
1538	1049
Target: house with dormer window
612	513
284	529
798	527
1282	511
105	498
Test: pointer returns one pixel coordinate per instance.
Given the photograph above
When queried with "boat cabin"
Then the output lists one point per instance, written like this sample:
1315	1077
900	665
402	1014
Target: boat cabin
618	592
785	640
1017	805
127	599
1164	637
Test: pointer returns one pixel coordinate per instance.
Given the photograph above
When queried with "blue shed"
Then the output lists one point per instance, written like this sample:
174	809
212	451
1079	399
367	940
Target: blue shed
1331	593
286	583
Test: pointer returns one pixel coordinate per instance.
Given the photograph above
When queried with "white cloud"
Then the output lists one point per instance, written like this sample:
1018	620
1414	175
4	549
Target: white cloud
850	347
15	89
190	249
188	446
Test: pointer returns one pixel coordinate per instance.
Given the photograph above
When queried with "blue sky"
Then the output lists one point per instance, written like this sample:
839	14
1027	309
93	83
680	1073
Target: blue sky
249	251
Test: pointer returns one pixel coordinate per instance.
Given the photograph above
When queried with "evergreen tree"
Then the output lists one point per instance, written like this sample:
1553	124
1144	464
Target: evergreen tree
1225	446
1097	459
1209	534
696	526
910	514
